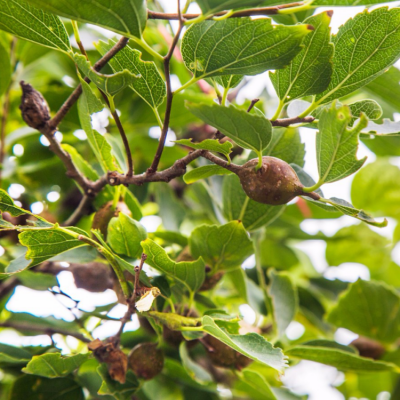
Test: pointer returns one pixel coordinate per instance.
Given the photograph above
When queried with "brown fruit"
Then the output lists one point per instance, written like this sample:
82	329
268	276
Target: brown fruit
224	356
211	281
275	183
146	361
368	348
103	216
94	277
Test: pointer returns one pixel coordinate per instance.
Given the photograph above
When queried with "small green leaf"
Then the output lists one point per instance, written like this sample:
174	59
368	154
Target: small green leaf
228	81
149	84
284	299
54	365
190	274
360	310
365	47
222	247
120	391
196	371
251	345
369	107
237	206
5	68
204	172
124	235
11	356
133	205
213	6
342	360
110	84
250	131
21	19
240	46
310	71
126	17
255	385
337	145
210	145
37	280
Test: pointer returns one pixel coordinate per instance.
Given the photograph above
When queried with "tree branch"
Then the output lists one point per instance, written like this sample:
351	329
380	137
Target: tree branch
170	95
241	13
285	122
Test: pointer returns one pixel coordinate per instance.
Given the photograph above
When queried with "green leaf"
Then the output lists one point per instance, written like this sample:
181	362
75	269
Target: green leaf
21	19
342	360
310	71
222	247
124	235
196	371
190	274
126	17
54	365
371	309
337	145
110	84
240	46
365	47
120	391
5	68
251	345
255	386
237	206
80	163
101	148
228	81
204	172
347	2
250	131
37	280
210	145
284	298
133	205
149	84
11	356
213	6
369	107
384	178
38	388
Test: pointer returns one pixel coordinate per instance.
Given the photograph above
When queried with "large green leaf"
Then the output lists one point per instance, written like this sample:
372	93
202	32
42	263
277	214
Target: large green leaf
284	298
250	131
54	365
310	71
149	84
255	385
370	309
190	274
127	17
5	68
377	188
251	345
110	84
337	145
348	2
204	172
37	388
340	359
210	145
237	206
125	234
222	247
27	22
213	6
240	46
365	47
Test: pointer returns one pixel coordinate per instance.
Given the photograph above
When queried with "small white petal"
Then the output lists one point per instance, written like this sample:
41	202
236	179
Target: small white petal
145	302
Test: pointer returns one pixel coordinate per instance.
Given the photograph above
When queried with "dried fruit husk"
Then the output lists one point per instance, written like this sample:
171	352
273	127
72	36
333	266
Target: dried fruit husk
94	277
146	360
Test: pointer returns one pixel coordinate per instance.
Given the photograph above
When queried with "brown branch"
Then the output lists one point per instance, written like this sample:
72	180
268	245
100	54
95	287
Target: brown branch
292	121
170	95
62	112
24	326
252	104
241	13
222	163
79	211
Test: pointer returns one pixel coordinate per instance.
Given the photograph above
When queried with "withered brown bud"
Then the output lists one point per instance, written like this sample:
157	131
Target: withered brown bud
275	183
224	356
368	348
146	361
94	277
34	108
211	281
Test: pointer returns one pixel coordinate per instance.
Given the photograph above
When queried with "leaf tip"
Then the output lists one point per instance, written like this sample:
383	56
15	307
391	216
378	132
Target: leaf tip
310	27
329	13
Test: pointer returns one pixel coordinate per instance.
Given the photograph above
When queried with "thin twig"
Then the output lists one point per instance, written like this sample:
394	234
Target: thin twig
242	13
79	212
292	121
24	326
252	104
170	95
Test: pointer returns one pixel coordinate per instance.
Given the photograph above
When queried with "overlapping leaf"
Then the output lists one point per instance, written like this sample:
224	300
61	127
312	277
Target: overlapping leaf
127	17
310	71
210	145
21	19
204	172
240	46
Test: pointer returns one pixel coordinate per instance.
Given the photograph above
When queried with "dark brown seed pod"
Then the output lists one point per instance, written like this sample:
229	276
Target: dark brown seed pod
146	361
211	281
94	277
275	183
34	108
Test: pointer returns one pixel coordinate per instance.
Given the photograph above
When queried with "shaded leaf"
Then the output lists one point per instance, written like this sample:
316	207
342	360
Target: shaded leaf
209	144
228	81
254	384
239	46
204	172
222	247
196	371
5	67
11	356
22	20
213	6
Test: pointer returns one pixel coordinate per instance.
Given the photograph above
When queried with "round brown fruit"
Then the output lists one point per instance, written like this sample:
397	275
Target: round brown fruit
275	183
146	360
